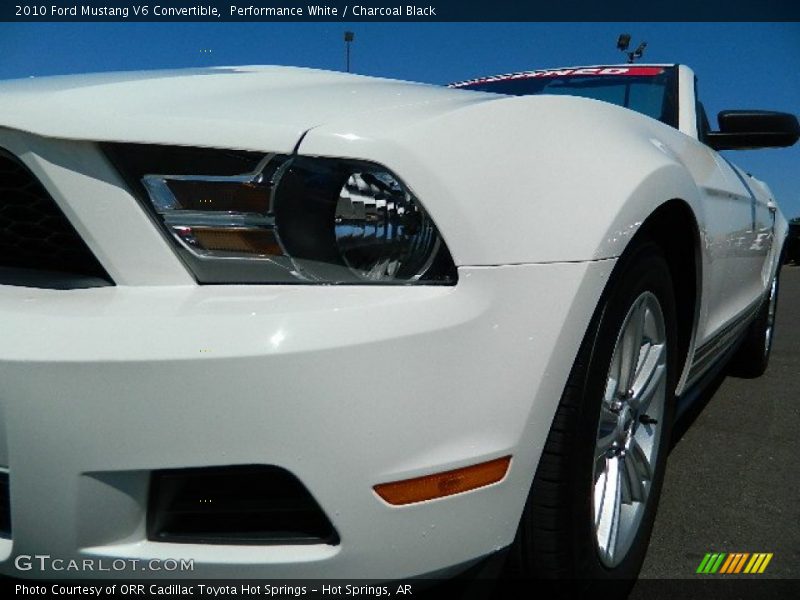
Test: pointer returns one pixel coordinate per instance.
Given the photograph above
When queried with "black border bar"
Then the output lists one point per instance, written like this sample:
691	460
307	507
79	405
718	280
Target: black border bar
396	10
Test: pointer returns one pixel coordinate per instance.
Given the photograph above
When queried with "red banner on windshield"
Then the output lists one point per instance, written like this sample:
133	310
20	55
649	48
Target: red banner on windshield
632	71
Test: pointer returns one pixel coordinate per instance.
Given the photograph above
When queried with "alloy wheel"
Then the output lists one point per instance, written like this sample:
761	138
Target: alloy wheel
629	429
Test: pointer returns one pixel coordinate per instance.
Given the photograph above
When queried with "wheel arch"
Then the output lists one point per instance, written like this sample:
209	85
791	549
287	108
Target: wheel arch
674	227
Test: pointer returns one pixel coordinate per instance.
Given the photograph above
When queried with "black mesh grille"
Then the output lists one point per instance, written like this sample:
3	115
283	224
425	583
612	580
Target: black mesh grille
35	236
235	505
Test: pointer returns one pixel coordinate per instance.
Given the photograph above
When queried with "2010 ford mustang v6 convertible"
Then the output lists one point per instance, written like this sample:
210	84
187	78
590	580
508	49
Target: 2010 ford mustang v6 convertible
293	323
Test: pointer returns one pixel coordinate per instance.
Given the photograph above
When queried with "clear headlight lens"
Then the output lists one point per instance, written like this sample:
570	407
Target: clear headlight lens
240	217
381	230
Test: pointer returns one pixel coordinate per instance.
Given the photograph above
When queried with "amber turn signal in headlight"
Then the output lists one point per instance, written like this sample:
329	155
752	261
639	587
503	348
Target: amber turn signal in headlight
439	485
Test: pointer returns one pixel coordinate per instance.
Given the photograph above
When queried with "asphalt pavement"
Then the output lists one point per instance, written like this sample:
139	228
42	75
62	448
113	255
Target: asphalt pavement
733	476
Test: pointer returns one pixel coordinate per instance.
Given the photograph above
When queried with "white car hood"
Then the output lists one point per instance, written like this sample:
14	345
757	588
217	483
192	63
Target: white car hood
257	108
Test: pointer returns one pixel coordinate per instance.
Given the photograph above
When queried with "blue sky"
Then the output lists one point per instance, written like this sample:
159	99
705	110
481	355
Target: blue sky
740	65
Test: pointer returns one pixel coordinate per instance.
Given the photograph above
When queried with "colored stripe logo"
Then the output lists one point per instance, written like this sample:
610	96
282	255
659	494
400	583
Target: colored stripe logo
734	563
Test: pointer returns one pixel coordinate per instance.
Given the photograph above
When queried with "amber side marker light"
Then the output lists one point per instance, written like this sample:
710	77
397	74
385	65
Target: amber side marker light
439	485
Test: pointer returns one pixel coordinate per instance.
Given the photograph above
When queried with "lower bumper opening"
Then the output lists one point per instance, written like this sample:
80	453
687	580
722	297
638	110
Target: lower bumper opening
235	505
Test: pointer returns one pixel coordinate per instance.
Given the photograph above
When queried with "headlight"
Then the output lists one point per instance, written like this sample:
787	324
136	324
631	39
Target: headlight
243	217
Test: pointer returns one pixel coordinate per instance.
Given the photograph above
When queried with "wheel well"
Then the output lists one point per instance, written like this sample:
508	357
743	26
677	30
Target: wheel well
674	228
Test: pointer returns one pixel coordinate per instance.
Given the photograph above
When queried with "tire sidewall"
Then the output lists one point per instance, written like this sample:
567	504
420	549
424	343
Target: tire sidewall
752	357
645	269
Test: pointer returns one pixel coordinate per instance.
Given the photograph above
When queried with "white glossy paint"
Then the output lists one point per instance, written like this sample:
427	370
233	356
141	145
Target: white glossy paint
367	385
248	107
687	109
346	387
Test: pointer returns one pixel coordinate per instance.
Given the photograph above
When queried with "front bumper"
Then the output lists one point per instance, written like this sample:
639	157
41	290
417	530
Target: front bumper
345	387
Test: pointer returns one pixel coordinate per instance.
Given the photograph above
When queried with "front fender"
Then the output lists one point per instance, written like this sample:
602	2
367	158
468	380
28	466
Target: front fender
525	179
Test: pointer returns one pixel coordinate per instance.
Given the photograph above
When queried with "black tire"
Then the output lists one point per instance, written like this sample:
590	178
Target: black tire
752	357
556	536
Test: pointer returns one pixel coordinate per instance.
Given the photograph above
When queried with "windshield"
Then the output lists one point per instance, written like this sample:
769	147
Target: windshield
651	91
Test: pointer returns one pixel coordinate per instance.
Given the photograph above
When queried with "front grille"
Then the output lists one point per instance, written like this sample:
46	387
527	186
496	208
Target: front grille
5	507
235	505
37	243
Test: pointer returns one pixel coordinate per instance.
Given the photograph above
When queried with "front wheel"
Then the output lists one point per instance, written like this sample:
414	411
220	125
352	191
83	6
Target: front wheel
594	496
630	429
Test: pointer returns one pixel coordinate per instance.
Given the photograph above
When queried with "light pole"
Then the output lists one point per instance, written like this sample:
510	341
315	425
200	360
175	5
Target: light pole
348	39
624	41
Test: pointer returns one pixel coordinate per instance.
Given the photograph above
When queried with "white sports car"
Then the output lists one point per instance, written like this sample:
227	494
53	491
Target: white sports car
286	323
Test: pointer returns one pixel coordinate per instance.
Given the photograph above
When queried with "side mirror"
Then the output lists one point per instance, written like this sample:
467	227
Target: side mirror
749	129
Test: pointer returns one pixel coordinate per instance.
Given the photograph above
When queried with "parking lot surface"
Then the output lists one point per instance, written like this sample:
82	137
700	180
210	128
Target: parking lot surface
733	477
